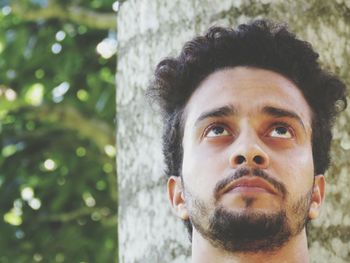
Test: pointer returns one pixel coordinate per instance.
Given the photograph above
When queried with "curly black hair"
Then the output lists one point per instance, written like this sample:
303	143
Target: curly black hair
261	44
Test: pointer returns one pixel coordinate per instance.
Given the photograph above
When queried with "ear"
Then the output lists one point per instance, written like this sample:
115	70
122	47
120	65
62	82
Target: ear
176	197
317	197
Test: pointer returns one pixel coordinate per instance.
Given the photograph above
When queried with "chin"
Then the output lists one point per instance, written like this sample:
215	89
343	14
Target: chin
252	205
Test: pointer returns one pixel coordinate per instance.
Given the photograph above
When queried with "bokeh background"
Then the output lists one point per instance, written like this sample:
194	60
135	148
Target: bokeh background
58	190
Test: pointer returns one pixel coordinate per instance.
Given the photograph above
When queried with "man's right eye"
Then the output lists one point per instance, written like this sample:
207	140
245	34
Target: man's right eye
216	131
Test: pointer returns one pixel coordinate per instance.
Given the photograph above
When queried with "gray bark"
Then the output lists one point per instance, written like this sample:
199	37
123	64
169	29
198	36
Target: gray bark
151	29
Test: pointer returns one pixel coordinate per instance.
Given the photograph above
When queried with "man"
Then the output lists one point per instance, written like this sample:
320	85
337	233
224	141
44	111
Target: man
248	116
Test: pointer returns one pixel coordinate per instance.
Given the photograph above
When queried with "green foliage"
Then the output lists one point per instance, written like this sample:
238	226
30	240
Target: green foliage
58	193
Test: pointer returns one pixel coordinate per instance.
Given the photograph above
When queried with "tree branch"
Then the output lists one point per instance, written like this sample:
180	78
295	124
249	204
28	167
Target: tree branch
68	117
98	131
69	216
76	14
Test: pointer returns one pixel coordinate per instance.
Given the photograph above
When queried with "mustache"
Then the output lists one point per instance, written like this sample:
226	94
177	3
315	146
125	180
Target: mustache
280	187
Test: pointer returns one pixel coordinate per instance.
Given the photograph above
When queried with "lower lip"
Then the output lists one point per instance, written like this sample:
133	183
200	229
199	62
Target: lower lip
248	189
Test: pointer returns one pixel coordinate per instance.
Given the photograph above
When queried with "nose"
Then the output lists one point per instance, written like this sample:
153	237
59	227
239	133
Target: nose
247	151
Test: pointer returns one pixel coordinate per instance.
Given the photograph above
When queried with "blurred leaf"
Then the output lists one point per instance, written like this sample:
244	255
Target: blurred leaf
58	192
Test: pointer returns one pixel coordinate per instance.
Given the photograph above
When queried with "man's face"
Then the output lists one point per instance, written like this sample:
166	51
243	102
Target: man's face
247	161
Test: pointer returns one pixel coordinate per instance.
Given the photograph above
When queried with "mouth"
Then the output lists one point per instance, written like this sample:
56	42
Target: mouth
249	185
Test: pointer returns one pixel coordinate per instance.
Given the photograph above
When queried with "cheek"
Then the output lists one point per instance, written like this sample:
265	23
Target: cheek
201	170
296	168
306	164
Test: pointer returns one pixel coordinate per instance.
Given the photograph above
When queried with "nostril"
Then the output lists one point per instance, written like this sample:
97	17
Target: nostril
258	159
240	159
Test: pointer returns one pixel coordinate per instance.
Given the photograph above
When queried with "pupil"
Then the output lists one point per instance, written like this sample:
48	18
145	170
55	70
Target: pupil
218	130
281	130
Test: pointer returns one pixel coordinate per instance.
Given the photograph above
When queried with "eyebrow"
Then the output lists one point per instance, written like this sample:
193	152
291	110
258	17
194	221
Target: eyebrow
230	110
224	111
282	113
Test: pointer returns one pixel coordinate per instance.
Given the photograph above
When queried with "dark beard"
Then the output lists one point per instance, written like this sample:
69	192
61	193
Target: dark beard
250	231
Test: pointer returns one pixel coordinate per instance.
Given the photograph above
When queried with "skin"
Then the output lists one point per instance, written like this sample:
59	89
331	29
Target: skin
247	133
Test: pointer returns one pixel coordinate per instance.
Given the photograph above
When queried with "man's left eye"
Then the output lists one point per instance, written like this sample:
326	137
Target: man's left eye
281	132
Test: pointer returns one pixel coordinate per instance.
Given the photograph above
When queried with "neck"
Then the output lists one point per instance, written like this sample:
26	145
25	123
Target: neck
294	251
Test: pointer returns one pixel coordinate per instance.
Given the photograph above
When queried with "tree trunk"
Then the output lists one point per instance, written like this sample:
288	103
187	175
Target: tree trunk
149	30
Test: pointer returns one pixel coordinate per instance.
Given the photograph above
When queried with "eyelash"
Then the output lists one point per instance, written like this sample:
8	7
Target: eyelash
273	126
213	125
283	124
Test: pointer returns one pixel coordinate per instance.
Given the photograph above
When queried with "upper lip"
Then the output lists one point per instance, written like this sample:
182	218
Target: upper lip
248	181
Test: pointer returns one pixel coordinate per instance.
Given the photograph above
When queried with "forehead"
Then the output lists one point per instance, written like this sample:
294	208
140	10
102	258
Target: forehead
248	90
